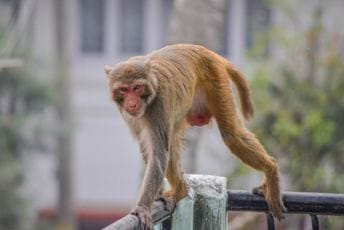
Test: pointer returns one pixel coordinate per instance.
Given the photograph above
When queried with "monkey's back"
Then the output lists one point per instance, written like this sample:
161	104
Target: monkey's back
185	61
183	71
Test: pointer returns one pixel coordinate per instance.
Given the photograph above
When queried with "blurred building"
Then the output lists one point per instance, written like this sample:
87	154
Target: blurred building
106	163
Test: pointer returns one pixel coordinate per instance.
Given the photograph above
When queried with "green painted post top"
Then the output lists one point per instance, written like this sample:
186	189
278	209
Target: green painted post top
205	206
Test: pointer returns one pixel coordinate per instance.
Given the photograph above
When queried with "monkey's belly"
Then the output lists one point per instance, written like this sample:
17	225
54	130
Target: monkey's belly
199	119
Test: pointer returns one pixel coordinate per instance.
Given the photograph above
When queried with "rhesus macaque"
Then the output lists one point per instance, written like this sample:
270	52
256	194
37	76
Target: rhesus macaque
161	94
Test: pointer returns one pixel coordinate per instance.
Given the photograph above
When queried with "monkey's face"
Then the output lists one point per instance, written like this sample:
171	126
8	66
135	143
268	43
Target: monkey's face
131	98
131	87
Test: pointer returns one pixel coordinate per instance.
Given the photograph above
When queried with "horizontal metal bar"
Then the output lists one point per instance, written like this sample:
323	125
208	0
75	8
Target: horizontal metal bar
295	202
159	214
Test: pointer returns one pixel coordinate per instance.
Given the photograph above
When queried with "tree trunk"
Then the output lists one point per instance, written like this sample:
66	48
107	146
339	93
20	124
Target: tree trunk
64	170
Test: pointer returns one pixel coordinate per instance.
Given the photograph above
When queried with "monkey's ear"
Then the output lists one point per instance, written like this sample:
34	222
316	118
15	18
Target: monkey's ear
107	70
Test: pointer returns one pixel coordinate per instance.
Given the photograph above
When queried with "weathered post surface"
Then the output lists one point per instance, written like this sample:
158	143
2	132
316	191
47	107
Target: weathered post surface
204	207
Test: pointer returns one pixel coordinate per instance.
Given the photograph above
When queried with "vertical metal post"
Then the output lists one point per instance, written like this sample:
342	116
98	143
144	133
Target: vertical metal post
315	222
270	221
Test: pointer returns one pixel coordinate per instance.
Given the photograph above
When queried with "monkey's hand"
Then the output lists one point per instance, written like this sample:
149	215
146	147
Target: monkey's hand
273	200
145	217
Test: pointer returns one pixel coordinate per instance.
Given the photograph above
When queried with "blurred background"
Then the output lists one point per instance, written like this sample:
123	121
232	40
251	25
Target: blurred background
67	160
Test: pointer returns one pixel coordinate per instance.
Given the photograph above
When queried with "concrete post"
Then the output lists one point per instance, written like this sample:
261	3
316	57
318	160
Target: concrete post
205	207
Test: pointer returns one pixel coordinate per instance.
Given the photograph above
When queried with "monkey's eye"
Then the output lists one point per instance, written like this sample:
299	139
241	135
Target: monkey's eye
139	88
123	90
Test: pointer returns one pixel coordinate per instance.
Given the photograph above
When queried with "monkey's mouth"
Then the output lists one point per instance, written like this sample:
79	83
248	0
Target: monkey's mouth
136	113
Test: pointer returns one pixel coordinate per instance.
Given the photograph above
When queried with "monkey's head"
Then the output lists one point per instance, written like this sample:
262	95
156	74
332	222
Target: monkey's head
131	85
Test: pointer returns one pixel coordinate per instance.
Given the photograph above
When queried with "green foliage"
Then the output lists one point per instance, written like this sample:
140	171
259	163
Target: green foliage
302	120
301	106
300	101
22	97
12	203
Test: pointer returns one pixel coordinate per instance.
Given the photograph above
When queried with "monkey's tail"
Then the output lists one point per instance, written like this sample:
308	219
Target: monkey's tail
243	90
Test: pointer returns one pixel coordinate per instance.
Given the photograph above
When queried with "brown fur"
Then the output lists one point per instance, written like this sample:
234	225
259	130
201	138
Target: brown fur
188	85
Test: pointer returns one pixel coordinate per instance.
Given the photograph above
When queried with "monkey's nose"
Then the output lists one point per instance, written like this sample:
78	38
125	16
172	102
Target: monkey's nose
133	106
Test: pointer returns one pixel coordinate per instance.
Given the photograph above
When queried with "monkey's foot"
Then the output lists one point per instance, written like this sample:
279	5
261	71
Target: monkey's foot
258	190
274	202
276	207
144	216
169	201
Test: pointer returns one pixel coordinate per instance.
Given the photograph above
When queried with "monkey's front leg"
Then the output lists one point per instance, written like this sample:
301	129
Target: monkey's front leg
178	188
153	180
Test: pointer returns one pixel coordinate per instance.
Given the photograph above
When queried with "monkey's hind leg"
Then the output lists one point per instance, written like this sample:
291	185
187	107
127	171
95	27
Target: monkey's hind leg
246	147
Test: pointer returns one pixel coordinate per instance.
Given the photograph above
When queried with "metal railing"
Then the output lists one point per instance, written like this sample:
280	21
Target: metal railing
159	215
313	204
296	202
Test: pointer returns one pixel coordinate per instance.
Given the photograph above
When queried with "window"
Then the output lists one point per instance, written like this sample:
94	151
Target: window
167	6
258	20
131	21
92	26
223	49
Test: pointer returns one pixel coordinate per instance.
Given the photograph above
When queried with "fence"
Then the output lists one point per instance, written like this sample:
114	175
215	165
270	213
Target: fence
208	202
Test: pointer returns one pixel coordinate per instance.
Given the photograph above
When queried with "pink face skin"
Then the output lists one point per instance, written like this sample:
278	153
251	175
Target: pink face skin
132	101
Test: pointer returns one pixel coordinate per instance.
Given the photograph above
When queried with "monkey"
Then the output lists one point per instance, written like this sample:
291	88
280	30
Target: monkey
162	94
